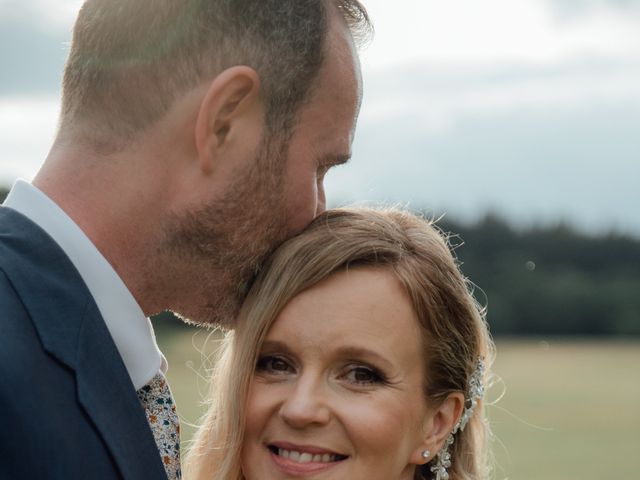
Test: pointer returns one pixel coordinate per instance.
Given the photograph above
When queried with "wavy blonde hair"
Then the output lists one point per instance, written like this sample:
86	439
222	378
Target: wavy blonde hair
453	325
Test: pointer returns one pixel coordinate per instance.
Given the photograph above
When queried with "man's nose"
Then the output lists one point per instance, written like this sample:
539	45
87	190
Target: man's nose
306	405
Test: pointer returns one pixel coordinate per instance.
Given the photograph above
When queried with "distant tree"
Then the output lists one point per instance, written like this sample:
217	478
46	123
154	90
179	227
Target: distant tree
551	281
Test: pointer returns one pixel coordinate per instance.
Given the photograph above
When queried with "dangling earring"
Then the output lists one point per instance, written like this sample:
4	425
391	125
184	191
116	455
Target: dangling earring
443	462
474	395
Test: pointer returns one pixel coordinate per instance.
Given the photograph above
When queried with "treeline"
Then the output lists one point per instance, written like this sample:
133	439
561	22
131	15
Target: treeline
551	281
543	281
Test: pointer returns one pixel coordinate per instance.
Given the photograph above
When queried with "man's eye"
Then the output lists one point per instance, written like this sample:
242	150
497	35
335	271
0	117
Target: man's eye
271	364
362	375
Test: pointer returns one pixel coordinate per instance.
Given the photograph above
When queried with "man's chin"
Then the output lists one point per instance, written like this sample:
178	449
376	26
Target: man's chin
208	319
220	309
223	314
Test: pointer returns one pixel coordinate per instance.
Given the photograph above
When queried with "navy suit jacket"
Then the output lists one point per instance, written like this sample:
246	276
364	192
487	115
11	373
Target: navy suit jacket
68	409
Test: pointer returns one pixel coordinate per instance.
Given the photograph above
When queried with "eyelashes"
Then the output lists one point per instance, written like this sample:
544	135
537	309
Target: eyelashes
364	375
272	364
352	373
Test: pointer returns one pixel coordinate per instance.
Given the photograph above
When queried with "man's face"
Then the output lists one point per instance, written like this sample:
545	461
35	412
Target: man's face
323	132
217	248
273	198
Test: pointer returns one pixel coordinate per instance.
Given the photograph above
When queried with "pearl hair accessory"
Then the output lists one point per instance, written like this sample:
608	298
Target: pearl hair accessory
474	394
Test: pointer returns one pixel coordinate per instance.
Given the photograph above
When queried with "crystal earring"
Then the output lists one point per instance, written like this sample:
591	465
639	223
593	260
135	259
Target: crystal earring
443	461
474	395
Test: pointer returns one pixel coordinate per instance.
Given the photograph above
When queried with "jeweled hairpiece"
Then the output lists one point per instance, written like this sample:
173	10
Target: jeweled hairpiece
474	394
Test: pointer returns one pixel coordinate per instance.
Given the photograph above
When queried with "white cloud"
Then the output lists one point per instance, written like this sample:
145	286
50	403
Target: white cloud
472	32
27	128
439	96
48	15
533	164
468	105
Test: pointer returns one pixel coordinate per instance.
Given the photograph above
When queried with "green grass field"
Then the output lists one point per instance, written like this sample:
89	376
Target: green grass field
566	410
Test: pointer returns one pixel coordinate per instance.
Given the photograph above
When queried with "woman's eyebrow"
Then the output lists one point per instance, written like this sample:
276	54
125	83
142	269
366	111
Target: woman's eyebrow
275	346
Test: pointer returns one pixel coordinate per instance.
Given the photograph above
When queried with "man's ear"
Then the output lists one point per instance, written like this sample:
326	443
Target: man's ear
230	112
437	426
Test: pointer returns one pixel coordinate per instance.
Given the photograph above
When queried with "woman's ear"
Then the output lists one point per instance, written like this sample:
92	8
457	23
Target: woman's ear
231	113
437	426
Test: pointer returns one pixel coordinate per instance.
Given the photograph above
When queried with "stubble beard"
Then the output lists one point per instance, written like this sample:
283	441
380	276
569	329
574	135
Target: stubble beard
221	246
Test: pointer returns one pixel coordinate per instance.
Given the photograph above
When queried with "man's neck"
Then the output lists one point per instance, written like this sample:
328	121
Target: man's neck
120	218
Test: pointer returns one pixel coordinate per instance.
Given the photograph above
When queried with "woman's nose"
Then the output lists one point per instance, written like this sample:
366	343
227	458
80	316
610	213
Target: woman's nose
306	405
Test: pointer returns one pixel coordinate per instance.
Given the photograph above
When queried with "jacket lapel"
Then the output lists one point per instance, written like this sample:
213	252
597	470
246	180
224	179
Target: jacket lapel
106	392
72	330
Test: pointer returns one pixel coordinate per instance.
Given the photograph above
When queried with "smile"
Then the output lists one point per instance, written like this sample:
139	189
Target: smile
303	460
305	457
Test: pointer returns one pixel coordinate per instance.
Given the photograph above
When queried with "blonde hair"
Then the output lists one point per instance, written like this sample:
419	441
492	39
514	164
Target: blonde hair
453	325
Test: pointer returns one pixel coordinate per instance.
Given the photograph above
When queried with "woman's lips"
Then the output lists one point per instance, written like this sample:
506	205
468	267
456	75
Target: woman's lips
303	459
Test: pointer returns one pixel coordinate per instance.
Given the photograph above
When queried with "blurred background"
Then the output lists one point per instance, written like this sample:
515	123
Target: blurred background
519	123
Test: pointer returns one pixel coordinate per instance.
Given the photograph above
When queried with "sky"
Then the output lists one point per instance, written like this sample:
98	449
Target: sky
528	108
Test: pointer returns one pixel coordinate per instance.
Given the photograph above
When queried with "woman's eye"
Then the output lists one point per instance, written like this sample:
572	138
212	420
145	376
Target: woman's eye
271	364
363	376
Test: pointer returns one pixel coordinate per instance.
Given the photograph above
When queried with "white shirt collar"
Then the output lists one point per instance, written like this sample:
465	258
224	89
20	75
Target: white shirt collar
131	331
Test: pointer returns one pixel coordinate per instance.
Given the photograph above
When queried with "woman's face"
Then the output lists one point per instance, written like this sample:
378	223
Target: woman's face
338	389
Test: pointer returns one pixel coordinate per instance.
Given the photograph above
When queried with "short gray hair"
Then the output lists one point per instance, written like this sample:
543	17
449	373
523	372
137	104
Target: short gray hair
131	59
